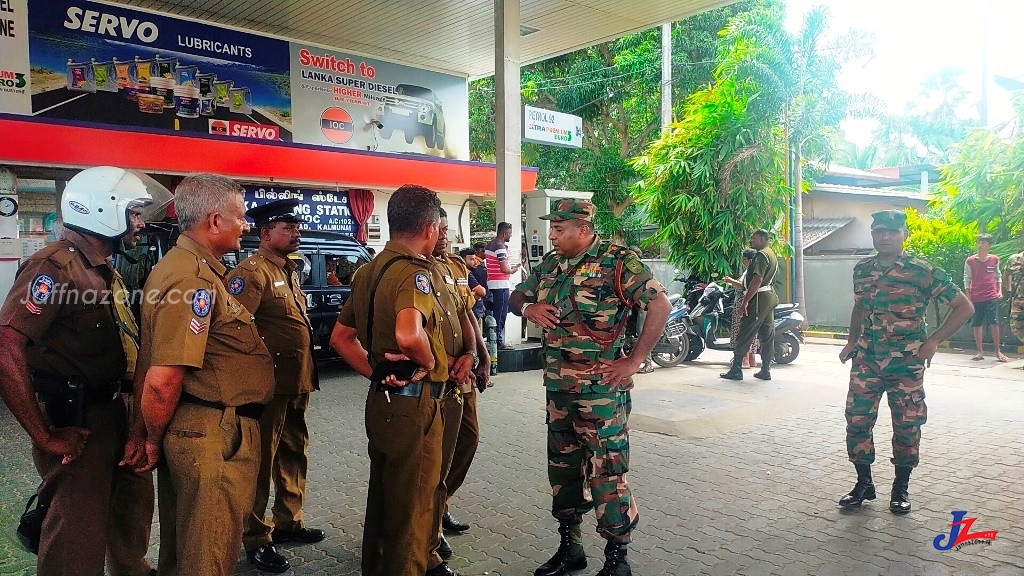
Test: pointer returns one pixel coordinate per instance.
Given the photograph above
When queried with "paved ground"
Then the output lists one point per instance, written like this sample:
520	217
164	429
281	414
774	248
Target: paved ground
731	478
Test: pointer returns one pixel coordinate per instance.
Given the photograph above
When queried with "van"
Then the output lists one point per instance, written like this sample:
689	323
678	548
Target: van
325	262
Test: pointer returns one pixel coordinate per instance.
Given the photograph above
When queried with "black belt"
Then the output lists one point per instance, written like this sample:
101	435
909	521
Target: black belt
252	410
51	386
438	390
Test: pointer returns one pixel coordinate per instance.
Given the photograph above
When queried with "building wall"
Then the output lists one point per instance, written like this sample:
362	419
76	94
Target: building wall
451	203
856	234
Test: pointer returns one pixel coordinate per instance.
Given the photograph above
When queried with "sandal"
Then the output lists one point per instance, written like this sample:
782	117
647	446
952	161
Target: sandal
1002	358
977	357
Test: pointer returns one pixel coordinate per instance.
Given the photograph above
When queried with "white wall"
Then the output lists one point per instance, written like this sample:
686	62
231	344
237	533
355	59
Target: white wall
856	234
451	203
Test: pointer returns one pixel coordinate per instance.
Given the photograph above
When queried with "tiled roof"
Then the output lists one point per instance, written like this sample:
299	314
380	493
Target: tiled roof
817	229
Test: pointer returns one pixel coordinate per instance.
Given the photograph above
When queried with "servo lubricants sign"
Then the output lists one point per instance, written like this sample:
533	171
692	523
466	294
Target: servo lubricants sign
552	128
86	61
326	210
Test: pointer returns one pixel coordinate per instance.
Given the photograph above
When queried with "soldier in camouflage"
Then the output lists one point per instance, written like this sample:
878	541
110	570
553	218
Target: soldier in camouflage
581	294
890	350
1013	288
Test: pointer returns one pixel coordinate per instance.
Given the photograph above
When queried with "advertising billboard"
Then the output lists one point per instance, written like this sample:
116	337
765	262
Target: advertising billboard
92	62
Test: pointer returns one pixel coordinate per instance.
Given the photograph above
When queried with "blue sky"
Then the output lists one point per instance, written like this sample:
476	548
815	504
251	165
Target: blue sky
916	38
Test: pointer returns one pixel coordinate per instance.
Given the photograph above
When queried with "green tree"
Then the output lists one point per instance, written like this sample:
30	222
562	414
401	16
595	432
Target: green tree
722	170
615	87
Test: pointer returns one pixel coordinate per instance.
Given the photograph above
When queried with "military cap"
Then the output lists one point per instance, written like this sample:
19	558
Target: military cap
571	209
276	211
889	220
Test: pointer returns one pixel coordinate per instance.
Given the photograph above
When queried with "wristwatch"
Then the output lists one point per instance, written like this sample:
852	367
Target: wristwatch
476	358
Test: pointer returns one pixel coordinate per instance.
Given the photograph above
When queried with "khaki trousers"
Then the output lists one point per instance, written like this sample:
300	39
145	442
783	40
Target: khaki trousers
404	445
207	487
74	533
284	458
465	447
131	519
451	417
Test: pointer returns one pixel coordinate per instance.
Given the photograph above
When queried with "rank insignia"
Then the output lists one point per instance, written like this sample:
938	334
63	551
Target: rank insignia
196	326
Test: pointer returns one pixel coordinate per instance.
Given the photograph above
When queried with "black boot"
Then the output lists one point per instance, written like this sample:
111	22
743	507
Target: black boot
764	373
570	554
735	371
899	502
615	563
863	490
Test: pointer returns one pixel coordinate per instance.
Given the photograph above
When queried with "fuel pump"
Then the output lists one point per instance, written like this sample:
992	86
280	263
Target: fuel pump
535	232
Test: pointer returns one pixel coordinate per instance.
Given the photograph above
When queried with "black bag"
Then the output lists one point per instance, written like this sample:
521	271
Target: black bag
31	526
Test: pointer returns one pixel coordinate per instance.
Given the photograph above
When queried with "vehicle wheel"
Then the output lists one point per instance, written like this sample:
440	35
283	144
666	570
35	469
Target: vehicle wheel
428	134
787	347
696	348
670	360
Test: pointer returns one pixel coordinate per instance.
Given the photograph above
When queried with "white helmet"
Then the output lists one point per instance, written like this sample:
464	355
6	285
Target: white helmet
97	200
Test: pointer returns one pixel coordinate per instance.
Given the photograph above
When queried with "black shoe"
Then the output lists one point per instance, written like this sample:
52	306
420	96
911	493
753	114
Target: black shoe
302	536
863	490
268	559
763	373
615	563
735	371
444	549
441	569
899	502
569	556
452	524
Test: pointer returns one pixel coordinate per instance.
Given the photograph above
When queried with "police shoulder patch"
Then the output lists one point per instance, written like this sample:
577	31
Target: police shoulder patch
633	265
236	285
202	302
422	283
42	287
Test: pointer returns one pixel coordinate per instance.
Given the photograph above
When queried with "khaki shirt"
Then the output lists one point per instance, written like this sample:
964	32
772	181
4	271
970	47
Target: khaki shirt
268	286
62	302
406	284
190	319
451	299
461	274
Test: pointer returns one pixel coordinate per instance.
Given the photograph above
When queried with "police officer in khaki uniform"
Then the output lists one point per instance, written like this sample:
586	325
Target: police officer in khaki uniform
208	378
394	313
461	336
61	350
268	286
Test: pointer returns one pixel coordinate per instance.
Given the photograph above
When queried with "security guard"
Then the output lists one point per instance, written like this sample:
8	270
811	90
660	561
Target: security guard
267	285
450	279
581	294
393	313
757	321
890	350
61	349
208	378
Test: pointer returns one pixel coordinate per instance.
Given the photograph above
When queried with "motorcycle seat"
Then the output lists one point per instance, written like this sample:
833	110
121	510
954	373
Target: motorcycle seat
785	308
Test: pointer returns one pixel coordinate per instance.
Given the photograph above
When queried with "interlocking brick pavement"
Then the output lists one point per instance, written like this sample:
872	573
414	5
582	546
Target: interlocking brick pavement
731	478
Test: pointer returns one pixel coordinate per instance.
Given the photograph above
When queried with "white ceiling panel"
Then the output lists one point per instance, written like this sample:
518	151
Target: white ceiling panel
449	35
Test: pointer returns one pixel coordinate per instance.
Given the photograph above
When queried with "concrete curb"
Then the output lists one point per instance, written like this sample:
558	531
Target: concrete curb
946	344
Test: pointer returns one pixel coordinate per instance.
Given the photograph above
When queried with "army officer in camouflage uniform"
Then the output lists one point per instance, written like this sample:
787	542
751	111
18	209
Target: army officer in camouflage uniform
890	351
1013	287
581	294
267	284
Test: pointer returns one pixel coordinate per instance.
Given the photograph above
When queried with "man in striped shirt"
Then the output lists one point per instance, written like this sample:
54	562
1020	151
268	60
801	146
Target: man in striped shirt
498	272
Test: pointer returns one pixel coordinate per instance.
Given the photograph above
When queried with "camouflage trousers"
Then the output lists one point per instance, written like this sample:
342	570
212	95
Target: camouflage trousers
1017	317
588	458
903	379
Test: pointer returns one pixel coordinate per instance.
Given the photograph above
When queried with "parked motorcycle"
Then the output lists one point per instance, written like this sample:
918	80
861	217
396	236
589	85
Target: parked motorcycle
714	312
674	343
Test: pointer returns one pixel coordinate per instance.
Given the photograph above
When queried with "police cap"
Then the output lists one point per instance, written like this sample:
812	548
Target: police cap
276	211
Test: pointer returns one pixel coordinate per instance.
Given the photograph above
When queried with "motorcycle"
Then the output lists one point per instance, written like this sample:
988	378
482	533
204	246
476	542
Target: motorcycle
674	343
714	310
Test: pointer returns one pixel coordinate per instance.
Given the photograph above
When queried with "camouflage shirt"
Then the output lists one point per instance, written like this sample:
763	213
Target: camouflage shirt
584	289
1015	268
894	300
